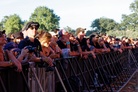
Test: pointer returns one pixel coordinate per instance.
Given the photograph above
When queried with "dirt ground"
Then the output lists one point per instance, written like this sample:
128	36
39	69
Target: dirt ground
132	85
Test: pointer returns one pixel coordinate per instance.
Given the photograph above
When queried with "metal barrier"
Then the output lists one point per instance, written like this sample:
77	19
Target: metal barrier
13	81
107	73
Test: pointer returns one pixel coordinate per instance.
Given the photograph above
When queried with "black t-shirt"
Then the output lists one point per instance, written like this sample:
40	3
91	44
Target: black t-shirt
83	44
26	42
127	44
107	45
61	44
73	47
96	45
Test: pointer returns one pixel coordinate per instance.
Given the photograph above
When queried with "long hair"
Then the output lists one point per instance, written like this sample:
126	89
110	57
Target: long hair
45	37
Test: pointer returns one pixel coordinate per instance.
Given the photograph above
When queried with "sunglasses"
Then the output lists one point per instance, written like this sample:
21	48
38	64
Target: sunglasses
33	27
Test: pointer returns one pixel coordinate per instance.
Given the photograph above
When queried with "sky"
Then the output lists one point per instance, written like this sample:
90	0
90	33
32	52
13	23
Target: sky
73	13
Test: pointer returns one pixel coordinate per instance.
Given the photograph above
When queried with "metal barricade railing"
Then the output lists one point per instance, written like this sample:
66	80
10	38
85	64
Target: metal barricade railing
13	81
108	72
40	80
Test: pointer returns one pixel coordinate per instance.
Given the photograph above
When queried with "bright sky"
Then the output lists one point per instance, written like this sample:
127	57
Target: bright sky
73	13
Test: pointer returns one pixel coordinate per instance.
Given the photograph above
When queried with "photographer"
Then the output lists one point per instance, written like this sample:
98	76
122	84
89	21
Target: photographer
29	32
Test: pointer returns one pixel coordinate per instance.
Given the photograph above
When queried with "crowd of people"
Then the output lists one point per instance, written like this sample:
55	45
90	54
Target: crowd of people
31	45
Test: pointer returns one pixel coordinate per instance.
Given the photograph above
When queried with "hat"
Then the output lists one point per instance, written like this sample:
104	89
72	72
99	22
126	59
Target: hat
53	33
61	32
78	30
18	35
29	24
9	46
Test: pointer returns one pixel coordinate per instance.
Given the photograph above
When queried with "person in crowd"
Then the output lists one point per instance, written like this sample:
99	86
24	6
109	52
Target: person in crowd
10	37
54	46
98	43
74	46
80	32
64	43
45	40
29	33
135	42
90	49
129	43
63	40
5	55
18	36
117	44
84	43
19	54
107	40
54	34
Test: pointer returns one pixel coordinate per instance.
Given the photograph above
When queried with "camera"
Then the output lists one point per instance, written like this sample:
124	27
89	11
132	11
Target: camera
31	49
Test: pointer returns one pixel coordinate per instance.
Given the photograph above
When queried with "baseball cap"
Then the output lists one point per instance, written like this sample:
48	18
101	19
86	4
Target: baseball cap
9	46
62	32
29	24
18	35
79	29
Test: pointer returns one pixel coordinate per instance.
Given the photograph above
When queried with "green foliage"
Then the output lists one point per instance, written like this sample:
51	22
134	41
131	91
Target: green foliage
1	26
12	23
96	25
130	22
89	32
70	30
134	6
46	18
128	33
103	24
3	22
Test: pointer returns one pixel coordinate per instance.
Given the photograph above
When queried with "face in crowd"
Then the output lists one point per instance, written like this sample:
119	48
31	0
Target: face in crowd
30	29
81	34
2	39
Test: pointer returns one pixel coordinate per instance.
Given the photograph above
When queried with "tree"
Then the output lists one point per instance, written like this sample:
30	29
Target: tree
134	6
96	25
130	22
1	26
70	30
3	22
46	18
103	24
12	23
89	32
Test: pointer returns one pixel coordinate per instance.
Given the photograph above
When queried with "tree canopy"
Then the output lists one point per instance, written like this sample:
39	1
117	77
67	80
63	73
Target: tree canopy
130	22
46	18
12	23
103	24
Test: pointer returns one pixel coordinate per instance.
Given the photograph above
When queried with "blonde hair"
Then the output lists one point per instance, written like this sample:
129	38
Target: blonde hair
45	37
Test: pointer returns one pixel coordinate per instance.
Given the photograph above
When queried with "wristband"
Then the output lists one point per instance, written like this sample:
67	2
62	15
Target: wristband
67	43
41	59
78	45
10	62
